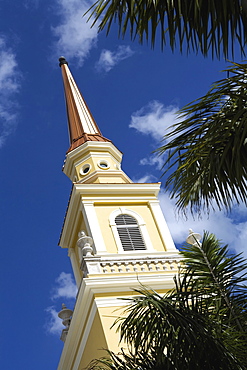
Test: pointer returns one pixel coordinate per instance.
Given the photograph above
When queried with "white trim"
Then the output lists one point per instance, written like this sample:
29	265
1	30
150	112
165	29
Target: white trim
99	173
75	266
86	333
141	224
122	284
86	165
112	302
105	162
138	191
123	210
92	222
162	226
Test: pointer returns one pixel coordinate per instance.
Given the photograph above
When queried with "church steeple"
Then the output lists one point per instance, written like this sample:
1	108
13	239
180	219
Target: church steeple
91	157
82	126
115	234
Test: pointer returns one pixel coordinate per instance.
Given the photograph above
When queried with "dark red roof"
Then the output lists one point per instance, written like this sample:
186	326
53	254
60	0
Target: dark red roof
86	137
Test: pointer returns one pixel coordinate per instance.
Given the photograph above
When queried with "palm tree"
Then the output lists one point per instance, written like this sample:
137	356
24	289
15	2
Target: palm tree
201	324
195	25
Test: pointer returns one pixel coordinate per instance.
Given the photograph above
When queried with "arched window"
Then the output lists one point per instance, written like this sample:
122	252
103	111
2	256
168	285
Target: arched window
129	233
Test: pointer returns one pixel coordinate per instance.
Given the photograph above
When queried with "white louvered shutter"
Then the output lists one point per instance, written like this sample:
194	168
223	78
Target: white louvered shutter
129	233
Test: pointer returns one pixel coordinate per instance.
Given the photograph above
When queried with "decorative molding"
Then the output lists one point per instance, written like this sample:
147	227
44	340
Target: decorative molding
85	244
129	265
110	302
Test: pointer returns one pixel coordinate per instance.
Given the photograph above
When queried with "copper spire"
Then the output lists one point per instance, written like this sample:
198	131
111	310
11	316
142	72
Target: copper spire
82	126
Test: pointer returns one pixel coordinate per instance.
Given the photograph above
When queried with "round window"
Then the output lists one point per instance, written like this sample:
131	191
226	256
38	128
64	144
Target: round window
85	169
104	165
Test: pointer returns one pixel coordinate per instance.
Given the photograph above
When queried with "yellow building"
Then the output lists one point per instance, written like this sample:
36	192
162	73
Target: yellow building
115	233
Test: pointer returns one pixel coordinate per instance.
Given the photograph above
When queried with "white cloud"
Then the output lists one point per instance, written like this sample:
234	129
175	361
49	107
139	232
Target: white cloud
154	119
145	178
108	59
229	228
75	37
65	287
54	324
9	86
153	160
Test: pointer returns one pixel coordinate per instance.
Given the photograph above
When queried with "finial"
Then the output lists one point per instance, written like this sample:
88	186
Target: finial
66	315
62	61
85	243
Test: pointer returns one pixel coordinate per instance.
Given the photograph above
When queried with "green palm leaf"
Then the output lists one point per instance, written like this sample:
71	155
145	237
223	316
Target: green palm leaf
207	150
219	278
195	25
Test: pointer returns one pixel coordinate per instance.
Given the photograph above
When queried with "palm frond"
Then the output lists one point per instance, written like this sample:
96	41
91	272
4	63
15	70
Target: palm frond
175	331
219	278
196	25
207	149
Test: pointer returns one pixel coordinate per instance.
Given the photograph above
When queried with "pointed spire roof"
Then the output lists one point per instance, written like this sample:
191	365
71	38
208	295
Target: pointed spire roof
82	126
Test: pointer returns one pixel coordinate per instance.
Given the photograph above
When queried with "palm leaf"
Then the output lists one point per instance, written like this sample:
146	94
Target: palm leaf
175	330
207	149
196	25
220	280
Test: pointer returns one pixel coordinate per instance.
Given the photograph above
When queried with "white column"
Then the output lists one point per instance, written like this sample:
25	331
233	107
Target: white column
162	226
92	224
83	342
75	266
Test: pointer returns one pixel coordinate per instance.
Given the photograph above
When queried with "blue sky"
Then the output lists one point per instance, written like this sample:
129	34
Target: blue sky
133	93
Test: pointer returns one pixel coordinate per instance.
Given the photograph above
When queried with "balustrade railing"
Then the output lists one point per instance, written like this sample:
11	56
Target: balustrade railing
104	265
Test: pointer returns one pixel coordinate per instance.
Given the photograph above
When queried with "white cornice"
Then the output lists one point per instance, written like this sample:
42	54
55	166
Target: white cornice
117	189
136	255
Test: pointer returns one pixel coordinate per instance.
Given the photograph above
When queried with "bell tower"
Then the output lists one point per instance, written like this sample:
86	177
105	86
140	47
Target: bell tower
114	231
